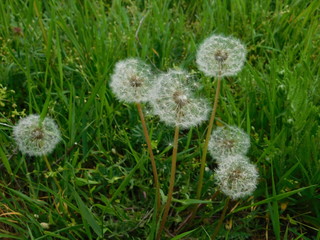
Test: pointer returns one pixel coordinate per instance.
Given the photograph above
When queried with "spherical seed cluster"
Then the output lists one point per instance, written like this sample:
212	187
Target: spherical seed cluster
174	102
221	56
236	177
36	138
227	141
132	80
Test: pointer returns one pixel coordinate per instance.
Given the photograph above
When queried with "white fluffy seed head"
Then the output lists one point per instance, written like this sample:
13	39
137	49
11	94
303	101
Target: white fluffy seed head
236	177
132	80
173	100
36	138
221	56
227	141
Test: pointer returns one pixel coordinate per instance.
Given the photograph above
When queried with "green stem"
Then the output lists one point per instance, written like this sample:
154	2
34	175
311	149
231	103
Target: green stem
50	170
29	179
216	230
171	185
65	207
153	162
35	6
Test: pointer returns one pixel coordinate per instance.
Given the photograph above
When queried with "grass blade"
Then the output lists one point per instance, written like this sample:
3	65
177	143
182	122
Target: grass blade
270	199
87	216
5	161
180	236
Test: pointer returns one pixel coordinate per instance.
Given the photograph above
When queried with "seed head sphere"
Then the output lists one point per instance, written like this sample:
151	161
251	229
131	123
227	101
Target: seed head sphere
132	80
221	56
36	138
227	141
174	101
236	177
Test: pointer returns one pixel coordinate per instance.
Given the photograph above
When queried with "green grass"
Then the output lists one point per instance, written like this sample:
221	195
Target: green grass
57	57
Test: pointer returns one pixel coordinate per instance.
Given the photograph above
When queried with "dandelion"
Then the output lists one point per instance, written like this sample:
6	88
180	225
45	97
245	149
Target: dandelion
35	137
236	177
228	141
174	102
217	56
221	56
132	80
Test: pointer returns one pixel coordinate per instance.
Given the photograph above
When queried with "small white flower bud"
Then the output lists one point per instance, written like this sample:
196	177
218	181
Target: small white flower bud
45	225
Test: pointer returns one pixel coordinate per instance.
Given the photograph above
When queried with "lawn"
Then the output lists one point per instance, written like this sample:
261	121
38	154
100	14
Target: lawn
57	61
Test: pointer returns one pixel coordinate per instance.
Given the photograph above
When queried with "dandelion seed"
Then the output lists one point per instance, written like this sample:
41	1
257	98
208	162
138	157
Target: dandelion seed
227	141
36	138
236	177
174	102
221	56
132	80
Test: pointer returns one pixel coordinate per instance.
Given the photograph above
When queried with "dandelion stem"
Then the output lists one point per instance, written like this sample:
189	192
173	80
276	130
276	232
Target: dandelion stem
153	162
216	230
205	147
171	185
50	169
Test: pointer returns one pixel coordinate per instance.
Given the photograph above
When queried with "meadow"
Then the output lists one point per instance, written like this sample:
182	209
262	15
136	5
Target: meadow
57	58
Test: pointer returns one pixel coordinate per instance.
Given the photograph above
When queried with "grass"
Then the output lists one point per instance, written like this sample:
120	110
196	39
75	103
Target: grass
57	57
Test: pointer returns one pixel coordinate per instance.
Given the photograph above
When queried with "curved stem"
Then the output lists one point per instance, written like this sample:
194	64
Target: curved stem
216	230
153	162
172	179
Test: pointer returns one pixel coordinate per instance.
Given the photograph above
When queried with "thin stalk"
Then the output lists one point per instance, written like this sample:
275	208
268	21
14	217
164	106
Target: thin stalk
216	230
205	146
206	143
50	170
171	185
40	22
153	162
65	207
29	179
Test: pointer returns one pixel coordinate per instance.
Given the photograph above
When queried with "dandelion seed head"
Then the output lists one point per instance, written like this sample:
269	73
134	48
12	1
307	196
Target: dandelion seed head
132	80
227	141
36	138
174	102
236	177
219	55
